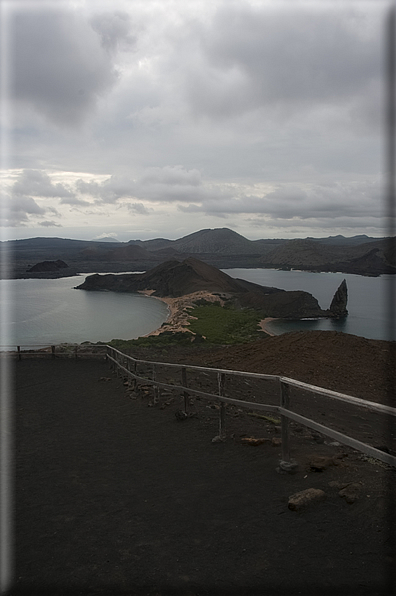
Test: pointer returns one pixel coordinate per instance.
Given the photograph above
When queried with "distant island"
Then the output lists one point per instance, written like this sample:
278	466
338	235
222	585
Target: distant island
51	270
175	279
223	248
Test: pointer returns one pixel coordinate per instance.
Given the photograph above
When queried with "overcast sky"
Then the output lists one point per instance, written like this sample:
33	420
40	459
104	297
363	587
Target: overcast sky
157	118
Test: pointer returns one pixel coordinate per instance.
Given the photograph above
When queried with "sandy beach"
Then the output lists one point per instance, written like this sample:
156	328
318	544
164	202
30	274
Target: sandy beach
264	325
179	316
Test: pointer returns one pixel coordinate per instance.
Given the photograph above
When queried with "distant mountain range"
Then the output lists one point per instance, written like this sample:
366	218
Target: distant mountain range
221	247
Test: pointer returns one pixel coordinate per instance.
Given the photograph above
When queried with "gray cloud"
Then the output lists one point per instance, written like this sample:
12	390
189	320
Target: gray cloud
114	29
138	208
18	211
75	201
167	184
49	224
284	58
38	184
330	201
21	207
171	176
58	64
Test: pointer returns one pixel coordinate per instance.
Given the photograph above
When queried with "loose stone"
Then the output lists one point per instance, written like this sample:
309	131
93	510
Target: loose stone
306	497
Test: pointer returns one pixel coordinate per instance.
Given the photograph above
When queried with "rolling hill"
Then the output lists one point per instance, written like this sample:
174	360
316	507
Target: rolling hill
221	247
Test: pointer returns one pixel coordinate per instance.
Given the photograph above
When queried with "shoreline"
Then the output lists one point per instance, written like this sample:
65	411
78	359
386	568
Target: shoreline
264	326
178	310
179	316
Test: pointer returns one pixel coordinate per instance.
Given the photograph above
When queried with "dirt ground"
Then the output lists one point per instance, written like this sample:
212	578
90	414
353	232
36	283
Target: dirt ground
114	495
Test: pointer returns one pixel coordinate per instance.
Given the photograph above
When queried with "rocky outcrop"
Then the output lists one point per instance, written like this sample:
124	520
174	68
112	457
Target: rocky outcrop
338	306
174	279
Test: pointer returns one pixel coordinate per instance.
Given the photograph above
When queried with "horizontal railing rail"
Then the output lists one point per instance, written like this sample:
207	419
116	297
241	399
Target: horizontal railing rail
204	394
125	362
47	350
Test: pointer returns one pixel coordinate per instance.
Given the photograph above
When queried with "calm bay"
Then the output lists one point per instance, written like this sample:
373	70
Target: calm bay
51	311
45	311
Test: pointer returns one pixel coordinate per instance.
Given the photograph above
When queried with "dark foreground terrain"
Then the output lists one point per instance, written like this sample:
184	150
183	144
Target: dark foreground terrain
115	497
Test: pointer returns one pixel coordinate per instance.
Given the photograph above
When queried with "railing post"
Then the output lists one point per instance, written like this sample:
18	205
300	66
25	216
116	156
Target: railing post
156	389
221	383
53	352
19	353
75	352
285	398
134	370
184	383
109	352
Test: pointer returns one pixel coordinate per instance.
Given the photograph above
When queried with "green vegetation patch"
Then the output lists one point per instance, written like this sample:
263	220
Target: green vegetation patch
168	338
213	324
225	325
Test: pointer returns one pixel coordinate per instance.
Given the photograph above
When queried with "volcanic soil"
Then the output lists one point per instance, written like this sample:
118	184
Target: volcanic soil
117	495
346	363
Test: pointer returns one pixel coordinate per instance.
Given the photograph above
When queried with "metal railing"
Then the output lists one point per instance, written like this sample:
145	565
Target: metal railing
128	365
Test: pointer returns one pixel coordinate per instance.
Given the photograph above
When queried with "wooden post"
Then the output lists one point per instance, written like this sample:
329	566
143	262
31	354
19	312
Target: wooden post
134	370
19	353
156	389
53	352
285	398
184	383
75	352
116	367
221	383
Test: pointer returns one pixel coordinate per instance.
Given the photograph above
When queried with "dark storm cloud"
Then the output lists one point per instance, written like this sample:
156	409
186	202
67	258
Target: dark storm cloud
58	64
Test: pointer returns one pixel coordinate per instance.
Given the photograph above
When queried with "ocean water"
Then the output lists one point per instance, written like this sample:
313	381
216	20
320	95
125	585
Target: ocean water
51	311
44	311
368	300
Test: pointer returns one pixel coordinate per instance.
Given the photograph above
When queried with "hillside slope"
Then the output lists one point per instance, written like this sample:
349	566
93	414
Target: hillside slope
338	361
371	258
